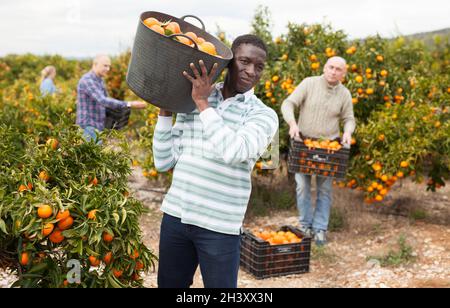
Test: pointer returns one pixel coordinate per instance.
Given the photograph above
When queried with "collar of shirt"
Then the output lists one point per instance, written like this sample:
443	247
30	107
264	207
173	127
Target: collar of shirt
328	86
95	77
222	105
243	97
99	81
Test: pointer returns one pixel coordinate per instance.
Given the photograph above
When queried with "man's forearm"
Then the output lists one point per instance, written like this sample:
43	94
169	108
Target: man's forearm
162	144
112	102
292	123
349	126
287	110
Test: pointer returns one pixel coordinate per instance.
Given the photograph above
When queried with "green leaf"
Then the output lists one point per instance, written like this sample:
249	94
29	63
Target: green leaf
70	233
38	268
116	217
91	252
124	215
3	226
113	282
80	248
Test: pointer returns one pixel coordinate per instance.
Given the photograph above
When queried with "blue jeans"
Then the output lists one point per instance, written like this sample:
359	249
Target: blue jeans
318	219
183	247
90	134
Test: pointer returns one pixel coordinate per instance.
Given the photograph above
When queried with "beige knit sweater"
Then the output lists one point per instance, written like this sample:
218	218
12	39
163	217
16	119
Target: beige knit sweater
322	106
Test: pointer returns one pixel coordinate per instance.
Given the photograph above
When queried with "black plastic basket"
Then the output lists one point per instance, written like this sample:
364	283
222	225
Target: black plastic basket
117	118
263	260
155	73
321	162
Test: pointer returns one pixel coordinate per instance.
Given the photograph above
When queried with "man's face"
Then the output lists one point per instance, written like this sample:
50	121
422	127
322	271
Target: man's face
247	67
102	66
334	71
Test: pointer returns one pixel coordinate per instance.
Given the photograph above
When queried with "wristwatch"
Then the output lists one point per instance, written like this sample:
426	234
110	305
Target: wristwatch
129	104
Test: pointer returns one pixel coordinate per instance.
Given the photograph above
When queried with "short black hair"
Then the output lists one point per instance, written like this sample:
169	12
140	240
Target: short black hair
248	39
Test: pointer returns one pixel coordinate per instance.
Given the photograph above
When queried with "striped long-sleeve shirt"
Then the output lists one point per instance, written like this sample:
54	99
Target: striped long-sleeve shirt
213	154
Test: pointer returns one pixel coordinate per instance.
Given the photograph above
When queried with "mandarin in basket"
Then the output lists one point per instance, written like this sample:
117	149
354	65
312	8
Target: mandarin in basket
208	47
149	22
158	29
184	40
173	27
192	35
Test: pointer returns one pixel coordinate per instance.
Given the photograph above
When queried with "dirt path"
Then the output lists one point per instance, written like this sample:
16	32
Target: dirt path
346	261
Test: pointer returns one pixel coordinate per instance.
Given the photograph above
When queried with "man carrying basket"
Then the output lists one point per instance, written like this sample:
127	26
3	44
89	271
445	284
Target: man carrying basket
213	151
323	102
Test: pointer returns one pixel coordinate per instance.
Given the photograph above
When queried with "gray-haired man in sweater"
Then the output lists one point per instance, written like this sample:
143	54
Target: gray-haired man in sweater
323	102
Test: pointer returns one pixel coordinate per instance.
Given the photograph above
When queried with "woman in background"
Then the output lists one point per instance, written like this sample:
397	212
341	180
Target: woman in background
48	75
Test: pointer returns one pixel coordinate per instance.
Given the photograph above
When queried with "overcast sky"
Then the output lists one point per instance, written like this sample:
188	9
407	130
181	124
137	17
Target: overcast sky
82	28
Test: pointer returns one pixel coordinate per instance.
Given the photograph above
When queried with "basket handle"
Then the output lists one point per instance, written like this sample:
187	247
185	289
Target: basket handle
175	35
195	17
